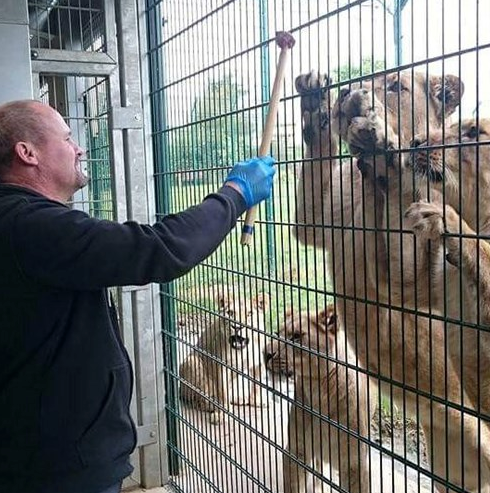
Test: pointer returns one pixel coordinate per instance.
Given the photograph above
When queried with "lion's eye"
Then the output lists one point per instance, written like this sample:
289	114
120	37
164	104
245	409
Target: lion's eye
472	132
396	86
295	337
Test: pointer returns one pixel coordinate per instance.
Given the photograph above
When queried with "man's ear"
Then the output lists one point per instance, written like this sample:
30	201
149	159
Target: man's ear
26	152
446	92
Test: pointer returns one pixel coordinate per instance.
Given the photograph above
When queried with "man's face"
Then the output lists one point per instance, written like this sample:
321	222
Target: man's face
59	156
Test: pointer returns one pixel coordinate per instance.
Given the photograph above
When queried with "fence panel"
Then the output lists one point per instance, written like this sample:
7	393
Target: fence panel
346	349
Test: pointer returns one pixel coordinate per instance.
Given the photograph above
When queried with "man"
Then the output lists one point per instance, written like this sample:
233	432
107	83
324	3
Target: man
65	377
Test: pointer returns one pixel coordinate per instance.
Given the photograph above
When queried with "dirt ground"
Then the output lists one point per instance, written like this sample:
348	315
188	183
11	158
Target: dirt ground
244	453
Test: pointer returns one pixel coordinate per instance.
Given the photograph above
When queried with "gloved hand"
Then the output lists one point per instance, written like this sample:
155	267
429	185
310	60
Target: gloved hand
254	178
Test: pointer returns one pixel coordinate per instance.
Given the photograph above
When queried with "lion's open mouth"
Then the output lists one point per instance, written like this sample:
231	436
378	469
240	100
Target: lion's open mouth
238	342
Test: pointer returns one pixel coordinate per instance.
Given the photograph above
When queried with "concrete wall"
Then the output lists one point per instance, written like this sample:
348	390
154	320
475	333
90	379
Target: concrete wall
15	60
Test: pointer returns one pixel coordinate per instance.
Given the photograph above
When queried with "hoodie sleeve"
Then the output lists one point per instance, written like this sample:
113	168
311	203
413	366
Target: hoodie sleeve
65	248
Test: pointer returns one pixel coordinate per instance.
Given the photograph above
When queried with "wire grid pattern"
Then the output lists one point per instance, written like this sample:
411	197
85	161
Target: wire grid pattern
98	148
67	24
211	66
82	101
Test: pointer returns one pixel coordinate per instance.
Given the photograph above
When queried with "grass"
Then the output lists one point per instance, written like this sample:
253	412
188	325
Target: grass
293	275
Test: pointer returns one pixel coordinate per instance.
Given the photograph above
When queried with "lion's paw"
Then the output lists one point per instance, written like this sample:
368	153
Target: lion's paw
216	417
366	134
312	88
426	220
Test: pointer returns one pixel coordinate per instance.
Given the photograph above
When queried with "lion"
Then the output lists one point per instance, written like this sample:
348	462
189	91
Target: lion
227	359
341	212
325	387
462	174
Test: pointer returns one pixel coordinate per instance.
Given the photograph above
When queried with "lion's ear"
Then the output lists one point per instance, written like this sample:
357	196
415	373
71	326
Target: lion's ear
262	301
327	319
224	300
447	92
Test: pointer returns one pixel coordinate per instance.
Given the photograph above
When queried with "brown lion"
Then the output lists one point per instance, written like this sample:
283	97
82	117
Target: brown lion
341	211
462	172
311	348
231	346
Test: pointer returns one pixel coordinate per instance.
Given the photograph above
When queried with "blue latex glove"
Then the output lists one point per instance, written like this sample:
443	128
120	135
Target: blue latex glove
254	177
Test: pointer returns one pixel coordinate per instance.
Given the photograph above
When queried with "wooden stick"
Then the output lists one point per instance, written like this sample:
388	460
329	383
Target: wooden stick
285	41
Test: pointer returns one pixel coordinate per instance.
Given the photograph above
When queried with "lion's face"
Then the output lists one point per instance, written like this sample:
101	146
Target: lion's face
238	314
408	103
461	172
289	354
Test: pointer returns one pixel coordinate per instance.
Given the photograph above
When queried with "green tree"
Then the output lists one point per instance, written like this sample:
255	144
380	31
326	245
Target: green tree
367	67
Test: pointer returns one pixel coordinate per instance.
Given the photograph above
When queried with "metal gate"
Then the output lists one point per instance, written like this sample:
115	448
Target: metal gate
86	63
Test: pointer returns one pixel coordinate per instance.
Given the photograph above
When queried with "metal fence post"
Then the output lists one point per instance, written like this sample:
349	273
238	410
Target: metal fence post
265	93
163	184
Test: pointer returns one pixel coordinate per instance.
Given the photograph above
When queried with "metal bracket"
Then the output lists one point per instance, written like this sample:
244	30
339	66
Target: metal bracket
131	289
126	117
147	435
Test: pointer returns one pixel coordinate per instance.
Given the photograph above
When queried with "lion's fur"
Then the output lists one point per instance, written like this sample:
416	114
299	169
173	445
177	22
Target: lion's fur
327	387
462	174
211	372
405	347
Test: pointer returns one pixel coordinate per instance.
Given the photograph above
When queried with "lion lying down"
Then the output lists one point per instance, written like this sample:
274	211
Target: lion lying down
227	360
323	387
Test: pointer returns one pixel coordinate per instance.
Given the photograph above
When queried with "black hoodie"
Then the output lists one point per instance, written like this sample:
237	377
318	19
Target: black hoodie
65	377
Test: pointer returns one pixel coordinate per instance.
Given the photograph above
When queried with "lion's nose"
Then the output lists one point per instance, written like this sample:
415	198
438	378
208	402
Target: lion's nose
417	142
268	355
344	92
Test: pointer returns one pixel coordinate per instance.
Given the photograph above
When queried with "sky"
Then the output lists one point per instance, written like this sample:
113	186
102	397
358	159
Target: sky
228	42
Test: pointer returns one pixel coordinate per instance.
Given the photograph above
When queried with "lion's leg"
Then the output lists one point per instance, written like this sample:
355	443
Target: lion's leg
350	456
374	224
456	448
473	257
221	387
257	398
316	186
300	448
469	347
195	373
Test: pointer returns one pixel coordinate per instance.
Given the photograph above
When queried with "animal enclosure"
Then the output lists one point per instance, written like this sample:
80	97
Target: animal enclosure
348	348
399	120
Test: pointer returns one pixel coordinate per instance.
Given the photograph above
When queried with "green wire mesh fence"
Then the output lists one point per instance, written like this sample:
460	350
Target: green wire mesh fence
346	350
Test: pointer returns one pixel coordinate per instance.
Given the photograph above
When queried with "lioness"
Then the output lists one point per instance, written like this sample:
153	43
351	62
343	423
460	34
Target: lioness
321	386
463	174
231	346
401	346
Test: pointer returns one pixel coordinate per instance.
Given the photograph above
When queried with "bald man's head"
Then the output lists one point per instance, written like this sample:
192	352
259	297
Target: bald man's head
37	150
20	121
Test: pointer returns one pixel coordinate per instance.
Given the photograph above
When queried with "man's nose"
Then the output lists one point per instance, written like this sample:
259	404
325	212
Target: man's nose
80	151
